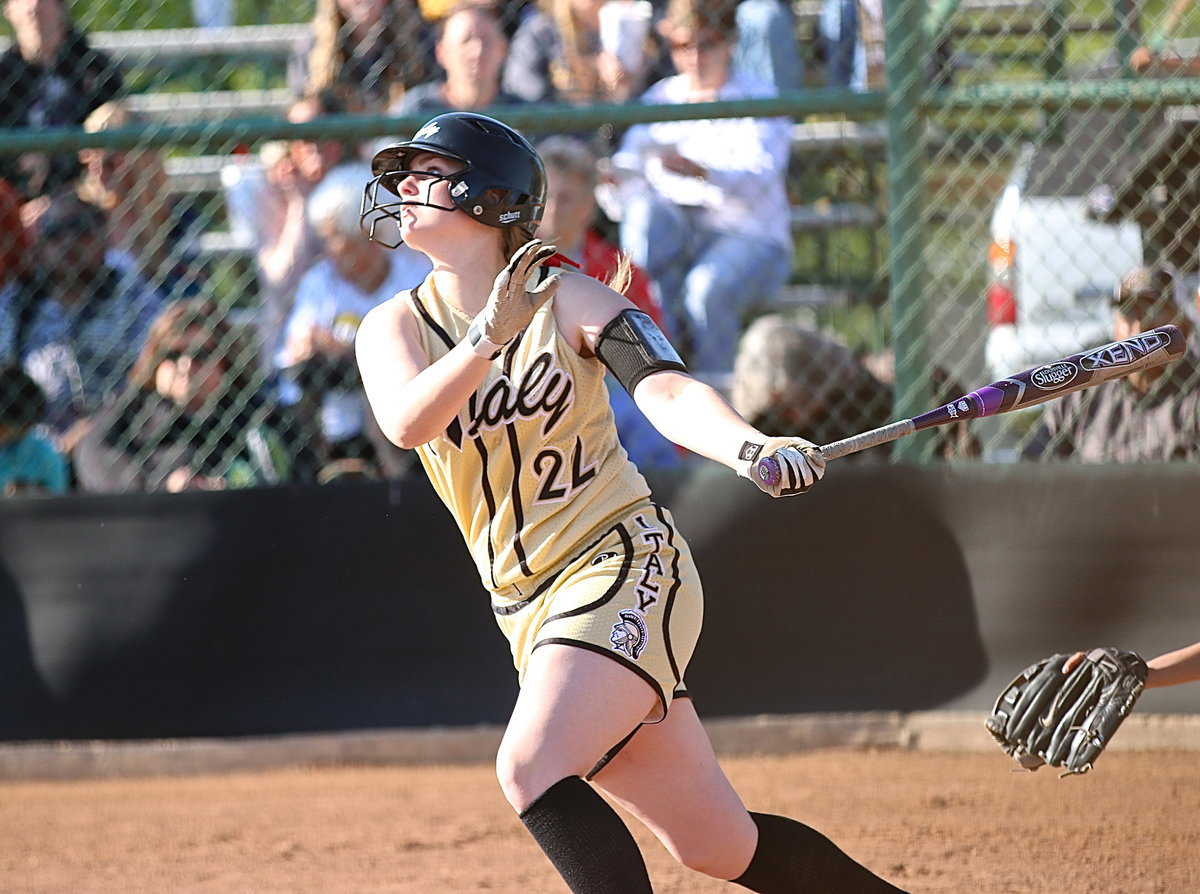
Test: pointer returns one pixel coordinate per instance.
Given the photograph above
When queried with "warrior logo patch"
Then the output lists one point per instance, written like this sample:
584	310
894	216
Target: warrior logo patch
629	634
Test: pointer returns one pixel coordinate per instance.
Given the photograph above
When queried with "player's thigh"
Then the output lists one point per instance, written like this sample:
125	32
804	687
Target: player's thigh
669	778
575	705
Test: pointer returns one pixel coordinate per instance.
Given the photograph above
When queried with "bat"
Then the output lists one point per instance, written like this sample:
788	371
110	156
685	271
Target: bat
1028	388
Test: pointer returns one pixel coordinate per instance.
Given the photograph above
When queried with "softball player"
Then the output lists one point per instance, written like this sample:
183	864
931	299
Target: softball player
493	370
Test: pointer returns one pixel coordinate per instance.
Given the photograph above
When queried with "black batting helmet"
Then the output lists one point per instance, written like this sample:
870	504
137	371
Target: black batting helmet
502	182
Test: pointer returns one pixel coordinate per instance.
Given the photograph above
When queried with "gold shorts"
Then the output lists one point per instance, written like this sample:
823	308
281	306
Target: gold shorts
634	595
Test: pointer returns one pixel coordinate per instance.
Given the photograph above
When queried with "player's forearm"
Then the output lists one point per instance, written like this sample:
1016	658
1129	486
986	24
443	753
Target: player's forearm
695	416
424	406
1173	668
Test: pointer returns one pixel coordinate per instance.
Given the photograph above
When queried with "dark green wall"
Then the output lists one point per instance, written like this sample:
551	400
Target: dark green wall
354	606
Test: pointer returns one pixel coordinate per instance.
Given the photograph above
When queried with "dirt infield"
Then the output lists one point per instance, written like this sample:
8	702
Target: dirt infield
930	822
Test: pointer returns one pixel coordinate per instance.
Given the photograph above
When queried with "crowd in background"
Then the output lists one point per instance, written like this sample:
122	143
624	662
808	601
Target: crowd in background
117	363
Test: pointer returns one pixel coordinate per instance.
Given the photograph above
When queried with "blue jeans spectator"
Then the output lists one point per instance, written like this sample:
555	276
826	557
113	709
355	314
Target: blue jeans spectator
706	278
845	63
766	45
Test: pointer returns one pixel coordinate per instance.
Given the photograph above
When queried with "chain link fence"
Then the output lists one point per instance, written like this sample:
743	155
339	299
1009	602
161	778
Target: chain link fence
955	189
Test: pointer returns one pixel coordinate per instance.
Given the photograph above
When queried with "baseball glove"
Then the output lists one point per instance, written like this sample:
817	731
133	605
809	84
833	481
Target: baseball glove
1046	716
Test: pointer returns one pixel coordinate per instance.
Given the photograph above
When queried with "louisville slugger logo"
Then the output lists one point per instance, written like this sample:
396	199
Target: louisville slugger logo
1054	375
1124	352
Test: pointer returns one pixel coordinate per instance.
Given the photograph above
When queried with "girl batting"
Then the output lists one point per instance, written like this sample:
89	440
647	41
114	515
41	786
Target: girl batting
493	370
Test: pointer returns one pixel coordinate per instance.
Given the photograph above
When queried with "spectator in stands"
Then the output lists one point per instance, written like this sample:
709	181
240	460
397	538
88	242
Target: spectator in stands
766	47
1150	416
14	235
14	257
267	203
511	12
788	377
367	52
29	463
471	49
49	77
353	276
151	231
214	13
569	221
703	203
571	217
556	56
86	320
852	33
1154	57
191	415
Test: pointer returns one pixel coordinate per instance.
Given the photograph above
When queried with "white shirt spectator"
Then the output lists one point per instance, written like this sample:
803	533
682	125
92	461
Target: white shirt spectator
325	300
746	159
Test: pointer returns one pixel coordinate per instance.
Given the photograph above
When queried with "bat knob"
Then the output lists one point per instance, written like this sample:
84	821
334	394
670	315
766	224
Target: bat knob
767	471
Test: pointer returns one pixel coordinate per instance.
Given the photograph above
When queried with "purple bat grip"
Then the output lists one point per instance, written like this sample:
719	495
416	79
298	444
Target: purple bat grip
767	471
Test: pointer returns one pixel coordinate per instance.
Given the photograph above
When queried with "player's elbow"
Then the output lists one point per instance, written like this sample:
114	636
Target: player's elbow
410	417
660	389
399	428
406	437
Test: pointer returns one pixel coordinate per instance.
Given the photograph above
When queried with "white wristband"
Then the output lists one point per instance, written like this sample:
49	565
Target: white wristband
480	345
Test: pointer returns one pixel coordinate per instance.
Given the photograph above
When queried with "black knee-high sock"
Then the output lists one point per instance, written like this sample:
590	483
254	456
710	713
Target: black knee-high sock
586	840
791	858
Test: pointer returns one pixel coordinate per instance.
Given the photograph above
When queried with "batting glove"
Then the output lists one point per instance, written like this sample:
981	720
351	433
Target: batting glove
510	306
801	465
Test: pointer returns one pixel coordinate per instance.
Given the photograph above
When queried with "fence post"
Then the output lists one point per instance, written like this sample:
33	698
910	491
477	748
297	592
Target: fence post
904	40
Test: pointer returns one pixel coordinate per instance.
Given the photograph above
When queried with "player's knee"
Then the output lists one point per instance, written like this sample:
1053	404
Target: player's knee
523	778
511	779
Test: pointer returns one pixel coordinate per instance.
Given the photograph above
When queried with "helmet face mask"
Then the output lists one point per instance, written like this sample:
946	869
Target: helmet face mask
382	200
502	182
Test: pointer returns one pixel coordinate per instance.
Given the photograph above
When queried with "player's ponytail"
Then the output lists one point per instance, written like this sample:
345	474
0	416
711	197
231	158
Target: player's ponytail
622	274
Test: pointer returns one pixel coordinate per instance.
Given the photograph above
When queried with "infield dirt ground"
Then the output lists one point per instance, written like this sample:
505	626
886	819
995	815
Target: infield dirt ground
929	822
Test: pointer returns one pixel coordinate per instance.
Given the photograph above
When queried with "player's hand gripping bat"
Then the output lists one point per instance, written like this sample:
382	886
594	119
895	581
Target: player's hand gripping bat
1020	390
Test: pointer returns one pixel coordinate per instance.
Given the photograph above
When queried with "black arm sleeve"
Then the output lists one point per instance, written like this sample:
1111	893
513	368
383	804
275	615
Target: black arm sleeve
633	347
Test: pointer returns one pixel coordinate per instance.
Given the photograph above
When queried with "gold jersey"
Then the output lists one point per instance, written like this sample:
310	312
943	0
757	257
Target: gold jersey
531	469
